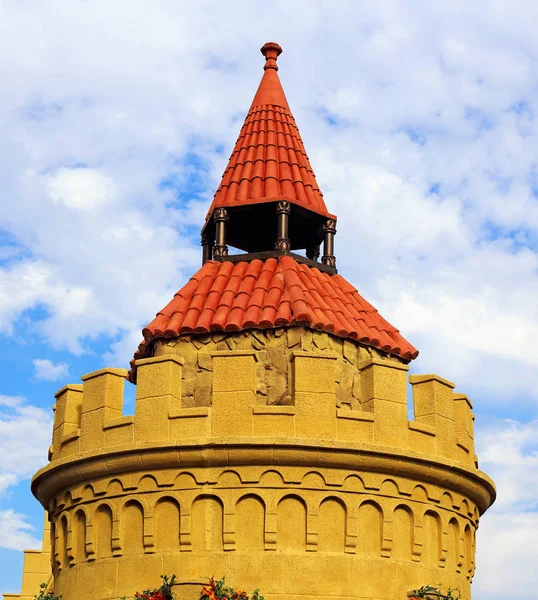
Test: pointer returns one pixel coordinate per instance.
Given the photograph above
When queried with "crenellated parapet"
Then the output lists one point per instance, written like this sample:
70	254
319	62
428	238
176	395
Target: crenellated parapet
248	447
296	383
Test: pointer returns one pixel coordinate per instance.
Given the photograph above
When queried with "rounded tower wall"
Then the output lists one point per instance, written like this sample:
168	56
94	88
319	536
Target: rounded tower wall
283	459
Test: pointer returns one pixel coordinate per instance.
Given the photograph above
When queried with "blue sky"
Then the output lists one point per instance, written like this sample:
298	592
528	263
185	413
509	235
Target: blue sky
420	122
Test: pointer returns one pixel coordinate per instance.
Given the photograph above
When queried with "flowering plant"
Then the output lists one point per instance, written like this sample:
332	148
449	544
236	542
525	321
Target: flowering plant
429	592
217	590
164	592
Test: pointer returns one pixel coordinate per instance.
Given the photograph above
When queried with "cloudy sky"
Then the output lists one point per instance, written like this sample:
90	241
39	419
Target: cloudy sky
116	121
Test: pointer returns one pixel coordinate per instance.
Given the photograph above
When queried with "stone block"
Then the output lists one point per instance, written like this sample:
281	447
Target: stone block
274	421
151	417
92	435
355	425
119	432
137	573
234	371
314	372
383	379
315	415
189	423
68	405
96	581
421	438
231	413
103	389
463	415
432	395
390	426
159	376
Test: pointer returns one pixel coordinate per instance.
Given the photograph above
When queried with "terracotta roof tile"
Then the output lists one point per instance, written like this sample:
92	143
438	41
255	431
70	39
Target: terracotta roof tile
269	161
272	293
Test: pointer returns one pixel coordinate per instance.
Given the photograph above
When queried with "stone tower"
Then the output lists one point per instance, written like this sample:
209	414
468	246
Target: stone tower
270	442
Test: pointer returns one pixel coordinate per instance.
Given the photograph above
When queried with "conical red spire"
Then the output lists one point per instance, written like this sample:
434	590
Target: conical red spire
270	89
269	161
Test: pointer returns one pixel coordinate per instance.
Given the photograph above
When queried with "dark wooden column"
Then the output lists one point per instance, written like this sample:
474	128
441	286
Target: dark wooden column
313	253
206	249
283	218
221	217
329	231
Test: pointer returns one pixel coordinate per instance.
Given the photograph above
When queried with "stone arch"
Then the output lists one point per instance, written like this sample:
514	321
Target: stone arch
453	544
88	492
370	528
403	526
63	559
167	514
185	481
447	500
419	494
389	488
207	523
431	551
229	479
79	535
353	483
147	483
102	527
114	487
313	479
250	523
271	478
291	524
465	507
132	527
332	525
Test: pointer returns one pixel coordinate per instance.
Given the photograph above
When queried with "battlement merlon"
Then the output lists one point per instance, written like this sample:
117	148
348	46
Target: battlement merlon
88	417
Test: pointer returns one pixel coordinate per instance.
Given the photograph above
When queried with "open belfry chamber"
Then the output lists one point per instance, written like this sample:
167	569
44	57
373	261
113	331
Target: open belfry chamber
270	442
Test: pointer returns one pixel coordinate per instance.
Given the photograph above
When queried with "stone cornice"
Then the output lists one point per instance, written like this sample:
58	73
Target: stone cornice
228	452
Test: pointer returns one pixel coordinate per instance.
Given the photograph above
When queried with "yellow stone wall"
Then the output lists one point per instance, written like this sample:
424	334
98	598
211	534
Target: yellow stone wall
283	460
36	568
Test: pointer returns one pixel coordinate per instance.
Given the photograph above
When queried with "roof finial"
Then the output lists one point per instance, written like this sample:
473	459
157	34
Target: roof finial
271	51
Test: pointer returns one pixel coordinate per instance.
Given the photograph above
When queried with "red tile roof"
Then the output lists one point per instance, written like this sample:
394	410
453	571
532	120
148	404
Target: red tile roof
269	161
272	293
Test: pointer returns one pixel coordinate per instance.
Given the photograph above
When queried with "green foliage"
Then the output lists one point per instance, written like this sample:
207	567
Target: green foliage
430	592
44	595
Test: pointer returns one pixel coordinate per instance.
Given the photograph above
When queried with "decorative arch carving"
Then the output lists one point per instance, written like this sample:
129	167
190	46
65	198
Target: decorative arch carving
250	522
403	523
167	515
102	527
207	523
291	523
432	543
332	527
370	528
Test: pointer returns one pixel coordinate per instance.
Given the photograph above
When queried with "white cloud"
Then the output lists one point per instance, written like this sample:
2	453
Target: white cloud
507	556
25	435
47	370
16	533
507	553
83	189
